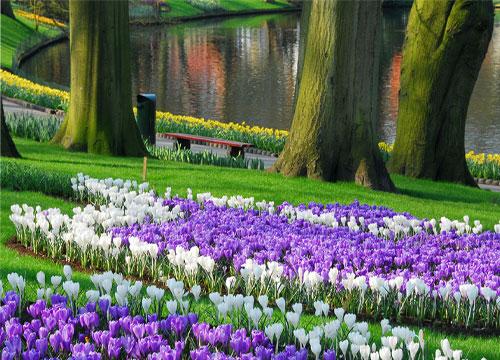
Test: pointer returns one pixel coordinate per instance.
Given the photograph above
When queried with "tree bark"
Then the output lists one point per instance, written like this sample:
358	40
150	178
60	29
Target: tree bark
100	118
332	136
445	46
7	148
304	24
7	9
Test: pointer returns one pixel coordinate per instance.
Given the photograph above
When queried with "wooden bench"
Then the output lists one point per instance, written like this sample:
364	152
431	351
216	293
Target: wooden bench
183	141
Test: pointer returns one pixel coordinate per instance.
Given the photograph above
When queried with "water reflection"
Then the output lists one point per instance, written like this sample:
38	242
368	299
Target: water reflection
243	69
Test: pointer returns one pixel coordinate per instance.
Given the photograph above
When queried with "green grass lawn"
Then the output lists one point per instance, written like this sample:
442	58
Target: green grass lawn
181	8
422	198
15	32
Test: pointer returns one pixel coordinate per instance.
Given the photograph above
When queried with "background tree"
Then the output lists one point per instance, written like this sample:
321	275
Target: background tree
445	46
7	9
7	147
332	136
100	118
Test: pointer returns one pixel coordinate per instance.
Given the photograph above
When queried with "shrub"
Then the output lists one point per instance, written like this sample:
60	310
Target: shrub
21	177
204	158
32	127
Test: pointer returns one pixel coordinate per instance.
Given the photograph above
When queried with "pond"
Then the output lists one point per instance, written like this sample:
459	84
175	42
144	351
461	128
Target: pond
243	69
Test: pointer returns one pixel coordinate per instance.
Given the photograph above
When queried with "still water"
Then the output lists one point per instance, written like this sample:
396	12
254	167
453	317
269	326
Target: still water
243	69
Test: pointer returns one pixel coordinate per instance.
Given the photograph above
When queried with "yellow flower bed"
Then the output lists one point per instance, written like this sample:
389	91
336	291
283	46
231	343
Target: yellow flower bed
385	147
37	89
41	19
29	86
212	124
482	158
30	91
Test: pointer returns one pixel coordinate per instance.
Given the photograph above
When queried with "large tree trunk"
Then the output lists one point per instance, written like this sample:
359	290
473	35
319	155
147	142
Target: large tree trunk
304	24
332	136
7	9
100	118
7	146
445	46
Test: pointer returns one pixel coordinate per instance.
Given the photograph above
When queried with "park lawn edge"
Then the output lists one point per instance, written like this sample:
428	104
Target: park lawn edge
422	198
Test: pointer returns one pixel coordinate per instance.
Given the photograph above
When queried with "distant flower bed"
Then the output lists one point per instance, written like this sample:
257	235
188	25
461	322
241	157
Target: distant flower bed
20	88
273	140
263	138
370	259
122	319
41	19
481	165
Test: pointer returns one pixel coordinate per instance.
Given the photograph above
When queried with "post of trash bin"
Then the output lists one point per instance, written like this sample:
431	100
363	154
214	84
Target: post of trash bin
146	117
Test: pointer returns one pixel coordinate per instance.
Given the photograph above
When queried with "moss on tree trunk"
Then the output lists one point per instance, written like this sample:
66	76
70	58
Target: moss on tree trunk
332	136
445	46
7	146
100	118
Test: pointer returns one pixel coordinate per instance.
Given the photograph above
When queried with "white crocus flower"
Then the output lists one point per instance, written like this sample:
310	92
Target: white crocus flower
67	271
281	304
40	277
344	344
297	308
196	291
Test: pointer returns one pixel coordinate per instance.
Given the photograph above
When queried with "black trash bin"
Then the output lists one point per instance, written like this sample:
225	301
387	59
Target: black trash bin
146	116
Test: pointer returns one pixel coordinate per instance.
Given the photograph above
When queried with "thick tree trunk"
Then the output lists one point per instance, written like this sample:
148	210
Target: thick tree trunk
332	136
445	46
304	24
100	118
7	9
7	147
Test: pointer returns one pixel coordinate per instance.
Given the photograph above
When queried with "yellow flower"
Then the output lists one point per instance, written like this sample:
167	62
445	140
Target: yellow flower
39	18
29	86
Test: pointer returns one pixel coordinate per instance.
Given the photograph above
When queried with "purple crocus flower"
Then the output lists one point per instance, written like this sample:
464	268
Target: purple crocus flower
240	342
330	355
103	305
114	347
35	310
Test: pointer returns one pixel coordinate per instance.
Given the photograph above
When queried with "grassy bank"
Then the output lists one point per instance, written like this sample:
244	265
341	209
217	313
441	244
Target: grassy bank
17	32
181	10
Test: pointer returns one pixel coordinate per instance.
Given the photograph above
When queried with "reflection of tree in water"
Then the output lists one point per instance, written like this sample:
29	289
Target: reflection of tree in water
205	74
394	25
393	87
246	72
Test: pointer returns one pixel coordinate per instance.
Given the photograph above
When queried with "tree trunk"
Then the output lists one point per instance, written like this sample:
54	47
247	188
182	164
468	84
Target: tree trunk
445	46
100	118
332	136
304	24
7	148
7	9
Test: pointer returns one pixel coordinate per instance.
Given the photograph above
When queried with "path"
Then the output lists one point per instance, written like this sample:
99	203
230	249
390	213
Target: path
15	107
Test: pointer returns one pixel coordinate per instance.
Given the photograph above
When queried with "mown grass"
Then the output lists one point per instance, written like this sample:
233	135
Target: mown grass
16	32
181	8
420	197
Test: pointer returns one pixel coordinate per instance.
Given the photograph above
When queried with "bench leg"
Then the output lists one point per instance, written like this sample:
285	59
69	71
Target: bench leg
182	144
236	151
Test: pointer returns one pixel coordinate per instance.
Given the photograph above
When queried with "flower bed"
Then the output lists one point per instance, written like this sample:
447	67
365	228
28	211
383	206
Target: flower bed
17	87
272	140
124	319
371	259
481	165
39	18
